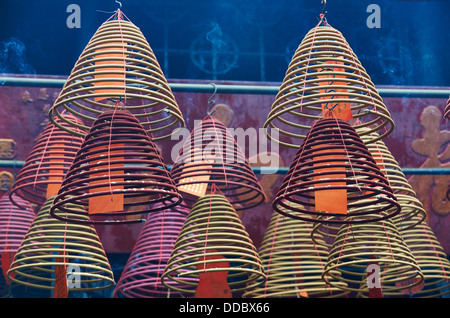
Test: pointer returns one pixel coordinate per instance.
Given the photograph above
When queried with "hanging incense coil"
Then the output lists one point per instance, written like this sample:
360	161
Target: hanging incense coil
48	162
211	157
118	67
447	110
333	179
50	245
357	246
293	262
118	175
430	257
325	79
213	240
141	277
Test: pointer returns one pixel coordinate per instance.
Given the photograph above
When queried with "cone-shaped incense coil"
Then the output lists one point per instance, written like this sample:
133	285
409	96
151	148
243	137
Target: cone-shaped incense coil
141	277
213	241
430	257
293	262
51	245
211	156
14	223
379	243
325	79
44	169
333	176
119	66
411	207
447	110
118	175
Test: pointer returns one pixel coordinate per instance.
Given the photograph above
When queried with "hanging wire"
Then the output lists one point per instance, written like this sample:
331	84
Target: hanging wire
109	12
211	102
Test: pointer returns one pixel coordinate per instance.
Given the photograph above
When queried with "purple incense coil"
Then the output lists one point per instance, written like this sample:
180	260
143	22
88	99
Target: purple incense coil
334	179
14	223
118	174
118	66
213	241
325	76
293	263
447	110
211	157
141	277
51	245
47	164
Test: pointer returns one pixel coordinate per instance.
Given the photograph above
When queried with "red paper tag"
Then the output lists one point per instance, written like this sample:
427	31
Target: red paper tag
213	284
60	289
331	109
54	187
374	292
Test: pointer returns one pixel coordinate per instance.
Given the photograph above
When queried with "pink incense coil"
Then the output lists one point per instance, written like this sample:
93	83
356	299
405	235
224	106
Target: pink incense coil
14	223
141	277
47	164
447	110
333	156
118	174
211	156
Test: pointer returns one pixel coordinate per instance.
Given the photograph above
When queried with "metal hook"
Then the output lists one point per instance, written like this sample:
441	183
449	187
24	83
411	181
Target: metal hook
120	3
211	101
324	6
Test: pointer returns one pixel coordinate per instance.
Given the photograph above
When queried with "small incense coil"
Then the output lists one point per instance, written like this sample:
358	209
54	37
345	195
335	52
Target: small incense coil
211	157
118	174
333	157
144	268
447	110
213	234
47	164
430	257
356	246
324	72
14	223
293	262
50	243
118	66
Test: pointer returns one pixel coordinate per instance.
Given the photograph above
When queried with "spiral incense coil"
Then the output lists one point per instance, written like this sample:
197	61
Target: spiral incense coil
118	175
447	110
334	176
51	245
293	262
430	257
211	156
14	223
213	241
325	79
118	66
141	277
357	246
44	169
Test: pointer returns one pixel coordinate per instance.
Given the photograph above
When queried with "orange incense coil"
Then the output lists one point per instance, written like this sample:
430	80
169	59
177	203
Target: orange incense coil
118	174
293	262
118	65
325	79
447	110
141	277
51	246
48	162
213	241
334	158
356	246
211	157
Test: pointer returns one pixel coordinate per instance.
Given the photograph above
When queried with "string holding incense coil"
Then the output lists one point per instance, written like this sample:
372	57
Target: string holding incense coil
118	174
447	110
213	240
325	79
293	262
51	245
14	223
118	66
46	165
334	179
141	277
359	245
211	157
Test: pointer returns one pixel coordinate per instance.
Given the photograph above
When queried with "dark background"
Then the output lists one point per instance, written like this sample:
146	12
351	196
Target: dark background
253	39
